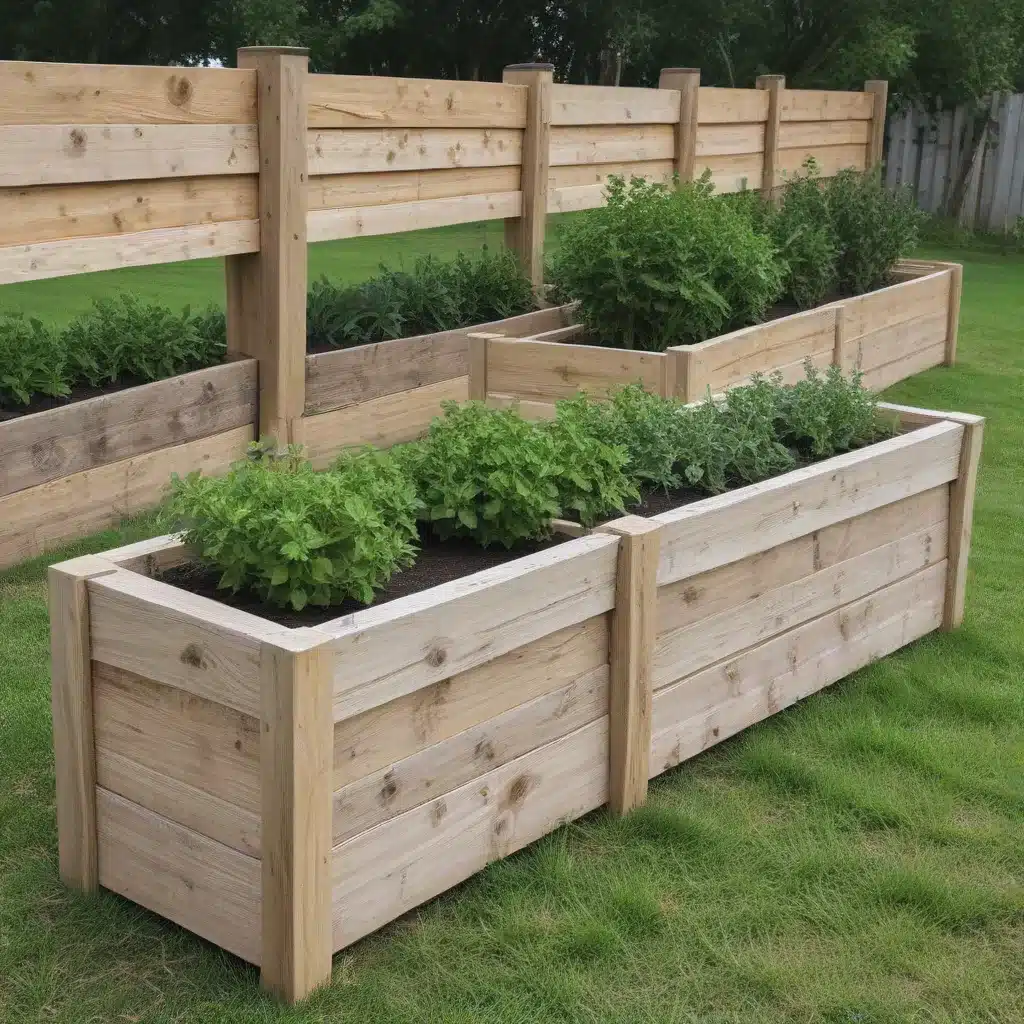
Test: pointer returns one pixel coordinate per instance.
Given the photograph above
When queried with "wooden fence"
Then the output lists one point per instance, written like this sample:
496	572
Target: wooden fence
106	166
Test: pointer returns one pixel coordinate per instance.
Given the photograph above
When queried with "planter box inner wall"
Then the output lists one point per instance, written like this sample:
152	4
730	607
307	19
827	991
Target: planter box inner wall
284	792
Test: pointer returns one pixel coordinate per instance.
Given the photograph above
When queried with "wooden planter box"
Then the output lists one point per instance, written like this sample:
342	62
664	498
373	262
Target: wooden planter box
284	792
386	393
79	468
889	334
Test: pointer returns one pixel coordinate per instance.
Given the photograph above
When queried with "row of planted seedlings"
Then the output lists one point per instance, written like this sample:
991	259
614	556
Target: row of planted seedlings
337	694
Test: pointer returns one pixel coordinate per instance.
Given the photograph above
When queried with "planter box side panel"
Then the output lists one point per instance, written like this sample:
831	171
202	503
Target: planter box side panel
898	331
737	643
38	518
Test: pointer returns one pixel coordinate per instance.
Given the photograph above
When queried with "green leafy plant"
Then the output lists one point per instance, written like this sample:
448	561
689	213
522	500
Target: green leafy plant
749	417
31	361
126	339
294	537
827	413
805	236
874	227
659	266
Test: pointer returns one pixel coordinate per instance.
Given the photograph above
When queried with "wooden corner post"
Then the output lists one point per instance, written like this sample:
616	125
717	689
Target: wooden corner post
956	288
296	755
774	85
634	622
525	234
687	81
961	520
477	350
74	745
879	90
266	290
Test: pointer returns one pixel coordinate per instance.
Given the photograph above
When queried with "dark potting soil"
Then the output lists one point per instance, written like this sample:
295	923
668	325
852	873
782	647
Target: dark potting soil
438	562
41	403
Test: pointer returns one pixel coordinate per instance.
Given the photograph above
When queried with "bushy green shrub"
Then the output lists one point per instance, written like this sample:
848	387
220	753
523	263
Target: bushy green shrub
125	338
659	266
826	413
803	231
31	361
874	226
294	537
435	295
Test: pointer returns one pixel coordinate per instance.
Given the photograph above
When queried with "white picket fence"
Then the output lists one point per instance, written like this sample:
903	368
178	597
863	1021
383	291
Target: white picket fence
930	150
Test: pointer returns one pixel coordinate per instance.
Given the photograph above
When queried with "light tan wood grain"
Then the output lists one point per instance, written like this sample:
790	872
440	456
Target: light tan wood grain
569	175
743	522
603	144
597	104
828	160
879	93
897	303
728	140
821	105
152	555
403	862
395	649
814	135
735	173
961	519
369	101
37	518
365	150
78	437
879	377
36	93
895	342
343	191
956	287
48	213
775	86
190	879
731	106
714	704
686	83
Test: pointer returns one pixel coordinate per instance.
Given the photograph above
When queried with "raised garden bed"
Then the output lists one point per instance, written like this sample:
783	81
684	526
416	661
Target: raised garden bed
889	335
284	792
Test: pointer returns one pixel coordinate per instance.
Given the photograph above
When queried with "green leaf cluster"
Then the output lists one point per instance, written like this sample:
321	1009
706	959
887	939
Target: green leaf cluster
31	361
295	537
660	265
435	295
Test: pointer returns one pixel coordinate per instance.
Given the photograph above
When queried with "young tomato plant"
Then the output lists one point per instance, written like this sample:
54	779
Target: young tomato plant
31	362
295	537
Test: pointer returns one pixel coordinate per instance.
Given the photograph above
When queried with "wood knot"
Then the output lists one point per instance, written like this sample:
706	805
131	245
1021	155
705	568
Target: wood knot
518	790
192	655
437	812
388	790
47	455
484	749
690	594
436	656
179	91
77	140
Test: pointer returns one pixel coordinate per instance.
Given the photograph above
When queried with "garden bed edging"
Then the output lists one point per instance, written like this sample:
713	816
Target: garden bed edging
284	792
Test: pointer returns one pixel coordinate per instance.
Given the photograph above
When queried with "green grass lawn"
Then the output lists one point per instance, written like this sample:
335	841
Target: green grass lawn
858	859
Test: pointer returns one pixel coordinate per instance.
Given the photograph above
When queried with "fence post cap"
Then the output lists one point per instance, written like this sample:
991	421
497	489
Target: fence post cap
680	71
284	51
533	66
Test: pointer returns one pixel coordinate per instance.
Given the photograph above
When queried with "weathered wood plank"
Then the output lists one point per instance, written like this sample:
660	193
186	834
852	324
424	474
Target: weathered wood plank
37	93
354	222
38	517
194	881
895	342
447	765
362	150
603	144
896	304
732	526
49	213
384	653
403	862
731	106
882	376
99	431
137	249
821	105
369	101
402	728
152	555
720	701
729	140
541	370
343	191
596	104
58	154
173	637
681	652
382	422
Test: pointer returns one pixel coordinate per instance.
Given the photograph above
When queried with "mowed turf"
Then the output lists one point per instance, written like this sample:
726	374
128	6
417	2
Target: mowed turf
857	859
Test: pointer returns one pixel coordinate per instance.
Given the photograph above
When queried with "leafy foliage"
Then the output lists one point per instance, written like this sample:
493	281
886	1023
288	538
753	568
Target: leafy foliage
435	295
31	361
874	227
295	537
659	266
124	338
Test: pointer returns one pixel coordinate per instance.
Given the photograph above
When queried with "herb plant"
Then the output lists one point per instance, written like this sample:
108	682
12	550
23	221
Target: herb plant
31	361
294	537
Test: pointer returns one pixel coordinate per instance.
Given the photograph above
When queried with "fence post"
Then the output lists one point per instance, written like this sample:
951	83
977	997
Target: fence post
687	81
74	745
775	85
879	89
525	234
631	695
956	287
296	755
266	290
477	350
961	520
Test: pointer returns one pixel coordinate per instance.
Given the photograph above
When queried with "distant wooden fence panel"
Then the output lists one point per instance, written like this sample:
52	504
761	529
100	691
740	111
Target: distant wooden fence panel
930	152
